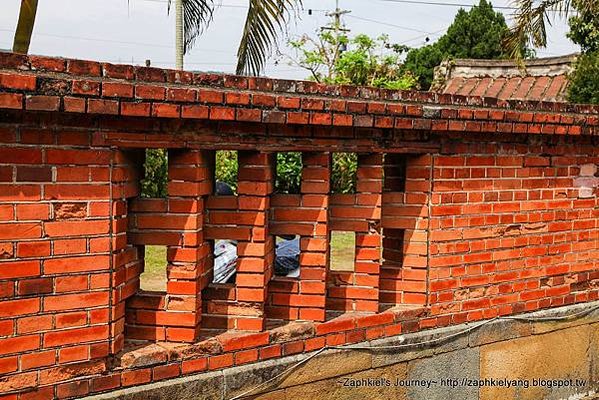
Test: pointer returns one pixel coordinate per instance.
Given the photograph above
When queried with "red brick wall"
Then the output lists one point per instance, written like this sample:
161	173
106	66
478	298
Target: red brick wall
512	228
62	259
465	209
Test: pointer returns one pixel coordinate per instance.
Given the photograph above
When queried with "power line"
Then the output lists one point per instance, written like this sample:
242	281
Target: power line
116	41
388	24
423	36
226	5
461	5
440	3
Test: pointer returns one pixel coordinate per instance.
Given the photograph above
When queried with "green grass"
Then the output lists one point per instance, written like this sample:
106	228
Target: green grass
154	275
343	245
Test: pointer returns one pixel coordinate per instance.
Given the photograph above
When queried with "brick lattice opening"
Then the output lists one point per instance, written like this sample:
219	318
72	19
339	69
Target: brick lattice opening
342	251
153	278
462	209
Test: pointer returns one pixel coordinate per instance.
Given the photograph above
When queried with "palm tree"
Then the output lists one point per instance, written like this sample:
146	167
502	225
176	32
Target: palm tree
265	20
531	19
24	26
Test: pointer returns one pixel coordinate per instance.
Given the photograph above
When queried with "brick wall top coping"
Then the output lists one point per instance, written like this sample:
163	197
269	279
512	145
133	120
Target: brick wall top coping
38	83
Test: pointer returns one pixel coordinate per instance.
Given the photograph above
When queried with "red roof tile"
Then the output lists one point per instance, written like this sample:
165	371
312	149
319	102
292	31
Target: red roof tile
542	79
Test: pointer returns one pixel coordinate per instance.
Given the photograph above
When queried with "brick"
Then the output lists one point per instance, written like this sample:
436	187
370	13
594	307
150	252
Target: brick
41	63
35	286
191	366
100	106
137	377
73	389
19	269
76	264
79	67
103	383
194	111
136	109
244	341
17	81
75	301
146	92
8	364
222	113
113	89
84	87
164	110
37	360
165	372
76	228
19	344
42	103
220	361
11	100
75	336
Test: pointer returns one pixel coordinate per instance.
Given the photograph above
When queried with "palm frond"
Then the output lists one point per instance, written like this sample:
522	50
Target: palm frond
531	20
197	15
265	20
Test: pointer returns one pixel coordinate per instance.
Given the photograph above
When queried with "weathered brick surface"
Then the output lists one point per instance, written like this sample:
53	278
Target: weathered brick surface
466	208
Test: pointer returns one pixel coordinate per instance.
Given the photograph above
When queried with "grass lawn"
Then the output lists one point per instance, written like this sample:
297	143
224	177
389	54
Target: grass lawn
154	276
343	251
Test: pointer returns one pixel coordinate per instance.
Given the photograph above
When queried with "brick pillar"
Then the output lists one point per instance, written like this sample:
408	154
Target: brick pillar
405	229
255	253
314	248
369	187
127	262
189	261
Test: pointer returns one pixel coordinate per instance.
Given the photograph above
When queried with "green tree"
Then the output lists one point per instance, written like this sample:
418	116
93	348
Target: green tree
422	62
344	172
227	167
154	183
477	33
584	80
584	31
289	172
361	60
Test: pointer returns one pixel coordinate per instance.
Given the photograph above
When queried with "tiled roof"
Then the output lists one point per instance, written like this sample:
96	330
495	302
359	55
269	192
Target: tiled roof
542	79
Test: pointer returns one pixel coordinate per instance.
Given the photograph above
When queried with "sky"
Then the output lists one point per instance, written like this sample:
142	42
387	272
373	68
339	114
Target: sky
122	31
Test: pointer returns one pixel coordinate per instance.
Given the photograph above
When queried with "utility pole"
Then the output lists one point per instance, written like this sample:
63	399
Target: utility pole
337	26
179	43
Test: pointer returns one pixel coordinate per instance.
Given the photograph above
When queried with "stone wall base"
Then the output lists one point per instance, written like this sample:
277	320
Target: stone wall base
475	365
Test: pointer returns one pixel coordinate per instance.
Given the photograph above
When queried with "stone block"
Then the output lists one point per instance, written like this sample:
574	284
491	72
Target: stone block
556	355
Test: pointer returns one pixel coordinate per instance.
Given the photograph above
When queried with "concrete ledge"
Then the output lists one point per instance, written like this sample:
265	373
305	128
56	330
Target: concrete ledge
515	349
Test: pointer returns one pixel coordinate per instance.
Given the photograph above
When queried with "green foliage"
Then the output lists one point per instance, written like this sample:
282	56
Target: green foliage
584	80
344	172
361	60
227	167
477	33
288	179
584	31
289	172
154	184
422	62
